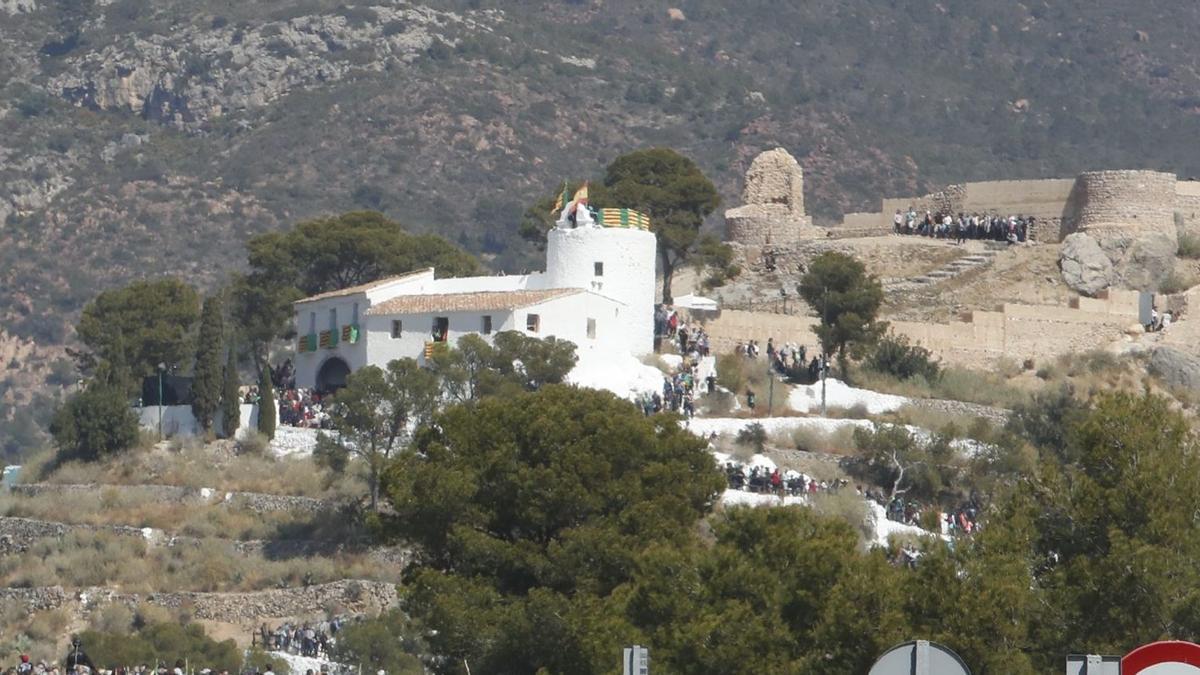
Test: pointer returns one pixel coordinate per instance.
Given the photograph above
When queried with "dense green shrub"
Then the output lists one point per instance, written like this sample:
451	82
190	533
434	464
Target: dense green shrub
95	423
894	355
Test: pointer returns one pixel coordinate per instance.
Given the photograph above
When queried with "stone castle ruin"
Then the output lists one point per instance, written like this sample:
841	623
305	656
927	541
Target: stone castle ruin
1119	229
773	210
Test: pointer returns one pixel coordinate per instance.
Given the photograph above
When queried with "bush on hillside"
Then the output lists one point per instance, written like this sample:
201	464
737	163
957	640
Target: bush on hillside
753	436
1189	246
389	643
162	640
894	355
95	423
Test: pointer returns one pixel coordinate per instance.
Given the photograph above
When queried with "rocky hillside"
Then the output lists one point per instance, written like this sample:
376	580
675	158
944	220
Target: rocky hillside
154	136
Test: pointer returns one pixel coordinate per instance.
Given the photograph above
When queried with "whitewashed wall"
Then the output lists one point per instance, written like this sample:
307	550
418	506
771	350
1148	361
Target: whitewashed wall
177	420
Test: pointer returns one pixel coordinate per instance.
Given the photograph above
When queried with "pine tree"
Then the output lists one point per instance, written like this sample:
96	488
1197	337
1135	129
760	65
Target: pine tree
230	398
206	384
266	404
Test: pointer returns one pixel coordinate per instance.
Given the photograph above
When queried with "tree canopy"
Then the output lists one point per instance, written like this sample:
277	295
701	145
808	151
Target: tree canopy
529	512
328	254
847	300
94	423
128	331
375	412
672	190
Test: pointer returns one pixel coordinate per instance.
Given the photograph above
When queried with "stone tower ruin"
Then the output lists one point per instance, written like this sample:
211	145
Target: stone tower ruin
773	204
1119	229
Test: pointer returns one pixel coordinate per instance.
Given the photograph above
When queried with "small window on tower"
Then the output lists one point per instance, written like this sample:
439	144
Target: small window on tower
486	328
598	268
532	322
397	329
591	329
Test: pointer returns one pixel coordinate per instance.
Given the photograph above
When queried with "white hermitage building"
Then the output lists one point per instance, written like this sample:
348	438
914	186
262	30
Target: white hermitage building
597	291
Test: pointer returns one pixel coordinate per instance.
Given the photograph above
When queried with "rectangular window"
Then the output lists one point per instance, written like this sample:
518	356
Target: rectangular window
441	329
532	322
486	327
333	320
591	329
312	322
354	317
397	329
598	268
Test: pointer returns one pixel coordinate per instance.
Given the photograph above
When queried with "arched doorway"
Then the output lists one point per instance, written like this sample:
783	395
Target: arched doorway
332	375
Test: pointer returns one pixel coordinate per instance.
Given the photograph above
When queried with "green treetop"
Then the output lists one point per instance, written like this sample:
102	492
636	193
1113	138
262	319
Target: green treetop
529	512
207	375
847	300
672	190
128	331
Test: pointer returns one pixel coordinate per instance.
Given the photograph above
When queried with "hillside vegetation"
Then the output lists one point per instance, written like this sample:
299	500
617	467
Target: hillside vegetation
141	137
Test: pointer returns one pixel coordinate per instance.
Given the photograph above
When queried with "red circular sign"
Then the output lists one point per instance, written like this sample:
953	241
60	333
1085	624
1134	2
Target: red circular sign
1155	653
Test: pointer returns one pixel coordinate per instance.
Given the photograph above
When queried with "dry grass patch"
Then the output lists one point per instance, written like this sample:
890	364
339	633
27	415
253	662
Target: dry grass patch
212	466
114	506
129	564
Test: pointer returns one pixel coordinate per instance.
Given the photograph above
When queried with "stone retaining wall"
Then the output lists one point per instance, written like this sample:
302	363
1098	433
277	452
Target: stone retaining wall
256	502
348	596
1017	332
996	416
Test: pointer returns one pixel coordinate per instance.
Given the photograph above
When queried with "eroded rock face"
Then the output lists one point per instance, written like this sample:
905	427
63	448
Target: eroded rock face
17	6
199	73
1177	369
1085	266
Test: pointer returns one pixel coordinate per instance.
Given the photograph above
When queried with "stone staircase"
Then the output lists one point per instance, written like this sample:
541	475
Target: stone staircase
950	270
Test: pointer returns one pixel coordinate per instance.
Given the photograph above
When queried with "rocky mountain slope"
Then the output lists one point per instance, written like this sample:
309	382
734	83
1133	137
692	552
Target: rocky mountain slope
144	137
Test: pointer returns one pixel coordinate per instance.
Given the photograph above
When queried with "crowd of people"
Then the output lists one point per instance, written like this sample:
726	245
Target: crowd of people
962	520
679	391
313	640
77	662
789	361
668	325
993	227
767	480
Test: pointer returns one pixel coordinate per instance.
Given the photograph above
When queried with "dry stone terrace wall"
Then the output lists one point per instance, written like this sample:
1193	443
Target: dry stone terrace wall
256	502
349	596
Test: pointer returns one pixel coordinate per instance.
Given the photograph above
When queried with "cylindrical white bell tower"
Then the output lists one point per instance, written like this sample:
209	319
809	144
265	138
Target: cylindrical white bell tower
614	262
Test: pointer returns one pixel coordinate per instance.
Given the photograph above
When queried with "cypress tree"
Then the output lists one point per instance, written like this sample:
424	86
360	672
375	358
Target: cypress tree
231	401
206	383
266	405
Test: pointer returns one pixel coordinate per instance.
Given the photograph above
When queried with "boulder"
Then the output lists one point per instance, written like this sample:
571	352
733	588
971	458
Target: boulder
1176	368
1141	260
1086	268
